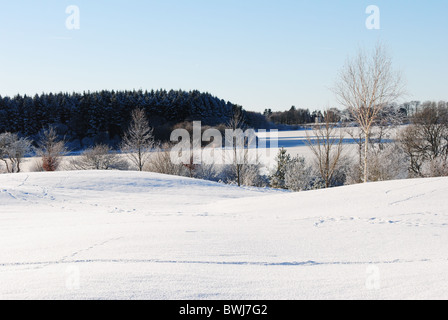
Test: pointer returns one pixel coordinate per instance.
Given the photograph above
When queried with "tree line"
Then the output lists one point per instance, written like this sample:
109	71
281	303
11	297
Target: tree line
89	118
419	149
300	116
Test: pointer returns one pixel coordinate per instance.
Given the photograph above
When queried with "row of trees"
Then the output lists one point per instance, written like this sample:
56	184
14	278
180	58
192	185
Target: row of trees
102	117
419	149
293	117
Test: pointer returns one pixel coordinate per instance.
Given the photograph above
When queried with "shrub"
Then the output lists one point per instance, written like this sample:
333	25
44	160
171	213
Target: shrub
100	157
51	149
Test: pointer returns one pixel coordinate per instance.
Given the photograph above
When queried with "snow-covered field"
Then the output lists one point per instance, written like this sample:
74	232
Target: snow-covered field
129	235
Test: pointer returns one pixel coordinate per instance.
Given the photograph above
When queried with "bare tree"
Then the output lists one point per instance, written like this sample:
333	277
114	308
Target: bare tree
326	144
138	141
244	161
365	86
12	150
235	137
51	149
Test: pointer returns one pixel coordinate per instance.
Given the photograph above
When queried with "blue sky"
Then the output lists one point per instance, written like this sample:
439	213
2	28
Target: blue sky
260	54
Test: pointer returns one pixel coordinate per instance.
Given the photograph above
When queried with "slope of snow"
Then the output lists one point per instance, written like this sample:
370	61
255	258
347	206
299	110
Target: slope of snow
129	235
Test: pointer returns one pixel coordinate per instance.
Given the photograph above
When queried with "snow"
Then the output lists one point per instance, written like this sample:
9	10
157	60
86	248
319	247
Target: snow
130	235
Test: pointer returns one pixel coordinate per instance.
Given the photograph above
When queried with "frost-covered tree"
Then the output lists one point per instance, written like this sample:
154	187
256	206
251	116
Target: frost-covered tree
138	141
365	86
12	150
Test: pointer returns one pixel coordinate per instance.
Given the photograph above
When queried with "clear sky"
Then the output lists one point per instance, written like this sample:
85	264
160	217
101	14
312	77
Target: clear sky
260	54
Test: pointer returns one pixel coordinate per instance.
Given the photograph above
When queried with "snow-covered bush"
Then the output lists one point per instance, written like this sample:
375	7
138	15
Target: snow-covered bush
293	173
100	157
298	175
249	175
160	162
389	163
210	172
51	149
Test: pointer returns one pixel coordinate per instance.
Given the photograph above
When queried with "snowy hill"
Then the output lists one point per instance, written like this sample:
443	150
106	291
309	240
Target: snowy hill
129	235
